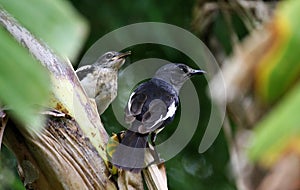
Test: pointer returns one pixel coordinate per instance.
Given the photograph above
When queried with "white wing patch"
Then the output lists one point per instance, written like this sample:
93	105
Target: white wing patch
158	116
171	110
83	68
129	102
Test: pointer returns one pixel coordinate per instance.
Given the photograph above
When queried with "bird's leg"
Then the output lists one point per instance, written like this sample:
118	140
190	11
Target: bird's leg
153	138
153	150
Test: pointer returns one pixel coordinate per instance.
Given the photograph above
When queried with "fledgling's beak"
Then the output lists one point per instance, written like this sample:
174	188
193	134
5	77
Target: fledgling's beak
122	55
196	72
120	59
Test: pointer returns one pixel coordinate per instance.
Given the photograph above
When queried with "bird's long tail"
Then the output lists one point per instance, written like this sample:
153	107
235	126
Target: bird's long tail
130	153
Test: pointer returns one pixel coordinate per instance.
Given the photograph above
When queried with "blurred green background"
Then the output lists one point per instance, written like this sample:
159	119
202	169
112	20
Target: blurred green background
64	25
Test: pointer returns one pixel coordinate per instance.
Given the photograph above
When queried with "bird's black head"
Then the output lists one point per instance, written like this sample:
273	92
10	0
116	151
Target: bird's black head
112	59
176	74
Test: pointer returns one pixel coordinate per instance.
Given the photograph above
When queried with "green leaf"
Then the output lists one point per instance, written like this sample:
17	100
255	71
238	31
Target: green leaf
280	67
54	21
24	83
278	130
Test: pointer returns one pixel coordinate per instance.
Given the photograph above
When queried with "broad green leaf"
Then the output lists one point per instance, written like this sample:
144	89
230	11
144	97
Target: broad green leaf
54	21
279	67
24	83
278	131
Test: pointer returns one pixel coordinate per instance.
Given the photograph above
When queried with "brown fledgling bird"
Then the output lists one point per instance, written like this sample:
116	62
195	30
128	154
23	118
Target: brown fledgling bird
100	80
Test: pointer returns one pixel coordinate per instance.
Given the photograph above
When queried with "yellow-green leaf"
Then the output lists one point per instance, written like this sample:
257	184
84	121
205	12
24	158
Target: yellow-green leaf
279	67
278	132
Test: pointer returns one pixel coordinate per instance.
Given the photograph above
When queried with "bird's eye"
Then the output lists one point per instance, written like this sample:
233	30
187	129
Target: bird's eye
183	68
109	56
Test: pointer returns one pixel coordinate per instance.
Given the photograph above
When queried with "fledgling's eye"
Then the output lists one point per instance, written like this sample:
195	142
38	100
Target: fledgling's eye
109	56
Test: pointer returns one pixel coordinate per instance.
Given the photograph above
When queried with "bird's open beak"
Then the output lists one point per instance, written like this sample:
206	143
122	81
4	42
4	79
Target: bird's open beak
122	55
197	72
120	59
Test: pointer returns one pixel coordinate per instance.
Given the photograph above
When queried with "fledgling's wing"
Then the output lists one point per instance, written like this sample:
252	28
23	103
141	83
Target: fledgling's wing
87	75
106	88
83	71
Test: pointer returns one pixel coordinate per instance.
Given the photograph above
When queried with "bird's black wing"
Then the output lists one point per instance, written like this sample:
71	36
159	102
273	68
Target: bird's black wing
135	105
149	106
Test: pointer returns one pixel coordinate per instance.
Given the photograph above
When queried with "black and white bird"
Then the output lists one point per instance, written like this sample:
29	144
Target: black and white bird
100	80
150	108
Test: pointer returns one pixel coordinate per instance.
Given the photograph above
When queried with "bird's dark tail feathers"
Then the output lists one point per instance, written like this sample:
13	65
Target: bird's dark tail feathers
130	153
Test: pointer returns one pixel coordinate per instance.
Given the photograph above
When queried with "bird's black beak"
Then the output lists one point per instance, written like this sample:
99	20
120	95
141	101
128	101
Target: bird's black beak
196	72
122	55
